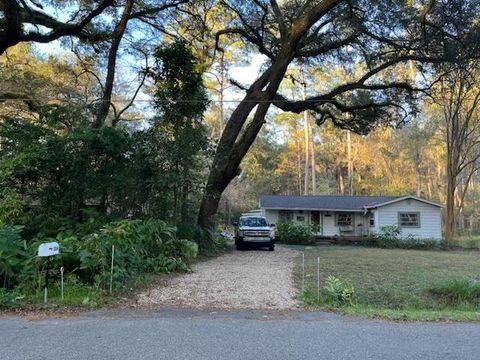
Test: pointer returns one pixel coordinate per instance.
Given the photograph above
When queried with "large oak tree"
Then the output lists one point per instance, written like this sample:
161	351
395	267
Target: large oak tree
377	35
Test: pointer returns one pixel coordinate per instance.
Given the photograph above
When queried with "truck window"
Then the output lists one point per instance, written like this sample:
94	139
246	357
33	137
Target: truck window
253	222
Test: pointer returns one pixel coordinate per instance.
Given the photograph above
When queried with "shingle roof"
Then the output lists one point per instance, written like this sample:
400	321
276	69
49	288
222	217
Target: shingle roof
322	202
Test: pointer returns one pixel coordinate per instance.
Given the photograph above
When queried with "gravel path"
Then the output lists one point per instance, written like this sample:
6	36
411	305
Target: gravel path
238	280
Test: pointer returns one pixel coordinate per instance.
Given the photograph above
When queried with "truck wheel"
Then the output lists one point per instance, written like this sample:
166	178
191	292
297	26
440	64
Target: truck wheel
271	247
239	244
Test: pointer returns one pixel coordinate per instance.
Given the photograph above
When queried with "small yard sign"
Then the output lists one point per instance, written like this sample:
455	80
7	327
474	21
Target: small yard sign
48	249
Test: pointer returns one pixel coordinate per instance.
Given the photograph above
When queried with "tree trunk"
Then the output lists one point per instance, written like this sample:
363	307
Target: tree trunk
222	93
235	143
306	149
299	169
450	208
184	202
350	163
106	99
312	159
418	180
306	146
341	182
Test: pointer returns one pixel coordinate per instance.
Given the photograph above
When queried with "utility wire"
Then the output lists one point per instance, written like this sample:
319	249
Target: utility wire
178	101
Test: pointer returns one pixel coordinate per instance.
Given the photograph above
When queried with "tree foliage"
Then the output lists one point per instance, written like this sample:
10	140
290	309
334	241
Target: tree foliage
377	35
361	66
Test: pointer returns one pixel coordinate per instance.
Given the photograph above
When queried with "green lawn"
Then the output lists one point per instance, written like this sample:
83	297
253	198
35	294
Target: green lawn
392	283
467	242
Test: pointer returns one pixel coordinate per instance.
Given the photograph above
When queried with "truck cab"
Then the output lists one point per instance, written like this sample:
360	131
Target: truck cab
254	231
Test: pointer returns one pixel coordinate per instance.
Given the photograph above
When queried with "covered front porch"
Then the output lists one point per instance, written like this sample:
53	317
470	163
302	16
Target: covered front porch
327	223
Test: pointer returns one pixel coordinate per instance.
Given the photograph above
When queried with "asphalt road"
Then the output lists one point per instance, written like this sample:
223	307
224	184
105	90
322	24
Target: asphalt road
185	334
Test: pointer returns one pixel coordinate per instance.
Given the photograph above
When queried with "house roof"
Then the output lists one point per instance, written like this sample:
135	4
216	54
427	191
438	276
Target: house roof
433	203
331	202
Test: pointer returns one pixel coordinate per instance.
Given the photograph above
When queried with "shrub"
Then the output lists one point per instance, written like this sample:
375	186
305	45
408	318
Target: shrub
11	206
210	243
188	249
390	237
10	298
412	242
140	246
289	233
13	256
457	291
338	294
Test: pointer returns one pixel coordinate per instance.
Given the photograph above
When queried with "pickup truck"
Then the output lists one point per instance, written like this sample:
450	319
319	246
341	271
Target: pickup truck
254	231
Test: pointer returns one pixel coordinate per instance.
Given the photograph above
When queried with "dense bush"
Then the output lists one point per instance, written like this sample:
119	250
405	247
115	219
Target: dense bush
13	256
109	169
210	243
290	233
390	237
140	247
11	206
10	298
56	163
458	291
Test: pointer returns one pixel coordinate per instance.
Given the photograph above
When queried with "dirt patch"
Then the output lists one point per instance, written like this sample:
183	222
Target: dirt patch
238	280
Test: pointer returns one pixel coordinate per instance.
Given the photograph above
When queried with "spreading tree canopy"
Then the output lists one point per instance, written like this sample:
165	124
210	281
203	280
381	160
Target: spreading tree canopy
374	35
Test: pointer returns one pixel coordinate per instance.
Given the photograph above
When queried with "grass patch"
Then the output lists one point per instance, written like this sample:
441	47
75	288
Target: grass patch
466	242
458	291
444	314
396	283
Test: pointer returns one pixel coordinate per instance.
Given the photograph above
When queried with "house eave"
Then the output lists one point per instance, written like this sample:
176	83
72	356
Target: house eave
411	197
311	209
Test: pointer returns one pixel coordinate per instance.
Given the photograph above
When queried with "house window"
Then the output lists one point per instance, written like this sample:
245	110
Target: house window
409	219
344	219
372	219
300	218
285	215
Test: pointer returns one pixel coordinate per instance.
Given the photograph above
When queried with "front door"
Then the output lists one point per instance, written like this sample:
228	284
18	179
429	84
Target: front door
315	221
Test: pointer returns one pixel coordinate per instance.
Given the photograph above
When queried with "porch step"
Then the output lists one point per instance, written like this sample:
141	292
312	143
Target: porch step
325	240
343	240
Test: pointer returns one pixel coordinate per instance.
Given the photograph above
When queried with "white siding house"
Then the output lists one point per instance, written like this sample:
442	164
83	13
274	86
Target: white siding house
356	215
427	218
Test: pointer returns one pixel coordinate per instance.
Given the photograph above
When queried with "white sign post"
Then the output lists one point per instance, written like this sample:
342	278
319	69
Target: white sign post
61	281
47	250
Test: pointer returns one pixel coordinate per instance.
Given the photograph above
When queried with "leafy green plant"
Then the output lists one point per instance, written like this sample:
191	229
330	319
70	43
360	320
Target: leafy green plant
210	243
290	233
140	246
458	291
11	206
188	249
390	237
13	256
11	298
337	293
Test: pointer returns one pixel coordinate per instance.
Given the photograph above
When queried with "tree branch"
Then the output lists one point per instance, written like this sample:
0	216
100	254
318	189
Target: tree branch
17	15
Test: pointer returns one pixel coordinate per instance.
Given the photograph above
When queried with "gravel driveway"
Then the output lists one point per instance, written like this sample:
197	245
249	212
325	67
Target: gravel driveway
238	280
